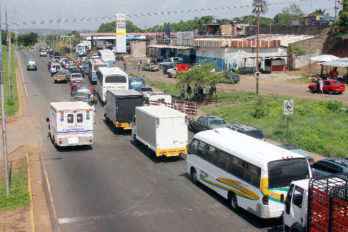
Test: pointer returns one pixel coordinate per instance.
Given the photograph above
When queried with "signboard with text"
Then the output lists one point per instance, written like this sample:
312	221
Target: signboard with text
121	33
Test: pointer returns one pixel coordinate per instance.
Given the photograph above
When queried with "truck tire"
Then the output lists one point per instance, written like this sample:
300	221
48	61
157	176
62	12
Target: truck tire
233	201
194	176
296	228
136	141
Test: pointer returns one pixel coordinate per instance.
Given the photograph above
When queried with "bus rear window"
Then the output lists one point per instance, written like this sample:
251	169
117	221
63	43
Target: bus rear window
282	172
116	79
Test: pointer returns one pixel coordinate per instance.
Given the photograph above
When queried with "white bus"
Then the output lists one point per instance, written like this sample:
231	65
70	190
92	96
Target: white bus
107	56
250	173
110	78
94	64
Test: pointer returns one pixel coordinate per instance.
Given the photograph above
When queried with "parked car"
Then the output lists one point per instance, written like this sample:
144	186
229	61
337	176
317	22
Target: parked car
75	83
330	166
75	76
150	67
43	52
73	70
297	150
81	97
171	72
32	66
232	77
207	122
248	130
330	86
82	89
169	61
61	76
166	67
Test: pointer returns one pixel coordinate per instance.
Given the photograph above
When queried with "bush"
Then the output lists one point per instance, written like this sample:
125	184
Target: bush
260	109
334	105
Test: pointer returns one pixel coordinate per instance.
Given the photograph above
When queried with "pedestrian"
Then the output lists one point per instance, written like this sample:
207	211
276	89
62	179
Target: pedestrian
134	65
93	111
200	93
125	66
204	93
182	92
139	68
321	84
195	92
189	92
211	91
143	79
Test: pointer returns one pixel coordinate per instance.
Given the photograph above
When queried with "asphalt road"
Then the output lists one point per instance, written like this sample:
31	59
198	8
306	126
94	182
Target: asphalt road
116	186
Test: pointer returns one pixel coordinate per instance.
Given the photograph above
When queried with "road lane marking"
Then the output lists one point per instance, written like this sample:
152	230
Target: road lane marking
135	213
32	221
20	70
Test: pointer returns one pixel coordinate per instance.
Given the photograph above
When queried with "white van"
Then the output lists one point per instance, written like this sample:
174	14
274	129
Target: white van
70	123
55	67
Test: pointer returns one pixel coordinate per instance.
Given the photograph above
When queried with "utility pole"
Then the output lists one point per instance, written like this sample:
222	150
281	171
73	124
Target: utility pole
336	10
257	47
3	119
8	56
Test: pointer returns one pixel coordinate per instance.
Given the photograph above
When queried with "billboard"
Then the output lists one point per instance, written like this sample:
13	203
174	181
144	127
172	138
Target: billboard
120	33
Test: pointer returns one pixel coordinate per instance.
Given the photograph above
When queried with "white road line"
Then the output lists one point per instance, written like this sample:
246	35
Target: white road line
20	70
137	213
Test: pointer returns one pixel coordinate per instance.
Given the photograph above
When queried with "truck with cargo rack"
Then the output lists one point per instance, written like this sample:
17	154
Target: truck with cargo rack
161	129
317	204
120	107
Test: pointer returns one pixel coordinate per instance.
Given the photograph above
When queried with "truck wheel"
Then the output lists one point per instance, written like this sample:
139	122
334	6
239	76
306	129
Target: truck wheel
233	201
296	228
194	176
136	141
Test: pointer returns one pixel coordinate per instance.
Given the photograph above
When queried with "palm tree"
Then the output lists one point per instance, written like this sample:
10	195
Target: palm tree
259	7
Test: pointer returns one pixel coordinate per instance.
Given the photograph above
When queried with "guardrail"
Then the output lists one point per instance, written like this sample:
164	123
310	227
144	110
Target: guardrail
186	107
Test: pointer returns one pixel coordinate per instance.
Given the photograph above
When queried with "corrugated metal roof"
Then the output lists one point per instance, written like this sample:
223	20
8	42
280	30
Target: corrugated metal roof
342	62
169	46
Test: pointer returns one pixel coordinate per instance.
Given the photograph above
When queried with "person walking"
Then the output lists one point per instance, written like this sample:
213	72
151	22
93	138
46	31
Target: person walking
125	66
189	92
204	93
321	85
139	68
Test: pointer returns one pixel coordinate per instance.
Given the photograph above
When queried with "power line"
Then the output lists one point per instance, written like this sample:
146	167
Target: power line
149	14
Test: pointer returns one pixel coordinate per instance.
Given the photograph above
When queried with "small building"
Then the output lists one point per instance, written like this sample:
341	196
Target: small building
317	18
232	29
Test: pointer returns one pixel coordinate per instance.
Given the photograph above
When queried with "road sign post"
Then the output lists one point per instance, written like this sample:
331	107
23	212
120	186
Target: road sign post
288	110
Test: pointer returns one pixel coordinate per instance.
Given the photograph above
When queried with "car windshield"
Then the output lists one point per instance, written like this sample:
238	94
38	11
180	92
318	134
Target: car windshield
282	172
255	133
216	122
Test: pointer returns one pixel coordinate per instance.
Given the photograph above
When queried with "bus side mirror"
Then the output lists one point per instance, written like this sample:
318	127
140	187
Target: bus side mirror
47	120
287	207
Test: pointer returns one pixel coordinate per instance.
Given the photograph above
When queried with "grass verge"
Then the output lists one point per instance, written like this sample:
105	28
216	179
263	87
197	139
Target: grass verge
11	107
19	196
316	126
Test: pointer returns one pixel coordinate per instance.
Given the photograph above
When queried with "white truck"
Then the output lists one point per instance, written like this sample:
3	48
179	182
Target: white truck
317	204
70	123
161	129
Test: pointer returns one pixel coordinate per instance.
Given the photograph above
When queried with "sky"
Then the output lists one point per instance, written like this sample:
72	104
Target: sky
38	10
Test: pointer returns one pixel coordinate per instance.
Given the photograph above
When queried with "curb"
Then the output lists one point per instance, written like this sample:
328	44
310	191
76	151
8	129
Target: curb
32	221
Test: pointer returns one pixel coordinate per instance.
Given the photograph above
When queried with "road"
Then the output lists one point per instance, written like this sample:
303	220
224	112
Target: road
116	186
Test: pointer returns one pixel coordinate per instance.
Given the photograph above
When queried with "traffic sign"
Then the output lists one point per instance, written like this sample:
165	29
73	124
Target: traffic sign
288	107
257	75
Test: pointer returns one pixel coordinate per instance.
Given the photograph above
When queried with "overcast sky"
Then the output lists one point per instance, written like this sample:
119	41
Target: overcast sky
36	10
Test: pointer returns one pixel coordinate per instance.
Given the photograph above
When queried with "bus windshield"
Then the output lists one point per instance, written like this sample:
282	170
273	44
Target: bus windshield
282	172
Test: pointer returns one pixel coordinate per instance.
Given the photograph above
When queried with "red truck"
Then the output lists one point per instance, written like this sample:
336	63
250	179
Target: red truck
330	86
317	204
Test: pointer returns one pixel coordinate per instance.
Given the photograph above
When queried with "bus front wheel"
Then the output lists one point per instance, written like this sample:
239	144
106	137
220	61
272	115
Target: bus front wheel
233	201
194	176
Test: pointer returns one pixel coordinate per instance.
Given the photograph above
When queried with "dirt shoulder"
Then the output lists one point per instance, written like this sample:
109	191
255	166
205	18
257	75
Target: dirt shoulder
35	217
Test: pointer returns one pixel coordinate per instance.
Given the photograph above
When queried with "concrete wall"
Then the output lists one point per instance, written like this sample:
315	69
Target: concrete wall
287	30
313	48
138	48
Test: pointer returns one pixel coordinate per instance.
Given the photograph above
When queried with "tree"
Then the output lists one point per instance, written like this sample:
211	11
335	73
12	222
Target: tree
288	14
321	11
28	39
111	27
201	74
4	37
343	19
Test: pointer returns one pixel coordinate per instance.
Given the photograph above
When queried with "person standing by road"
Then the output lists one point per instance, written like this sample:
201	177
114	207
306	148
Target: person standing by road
189	92
321	85
204	93
182	92
195	92
125	66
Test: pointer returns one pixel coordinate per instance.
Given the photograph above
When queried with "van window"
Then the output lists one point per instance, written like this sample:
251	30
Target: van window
70	118
79	118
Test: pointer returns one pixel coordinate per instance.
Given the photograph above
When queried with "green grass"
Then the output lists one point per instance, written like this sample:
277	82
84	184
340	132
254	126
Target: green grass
19	195
164	86
10	107
316	126
304	79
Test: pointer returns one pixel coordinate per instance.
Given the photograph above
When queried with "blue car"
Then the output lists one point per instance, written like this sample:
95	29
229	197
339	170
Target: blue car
135	83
